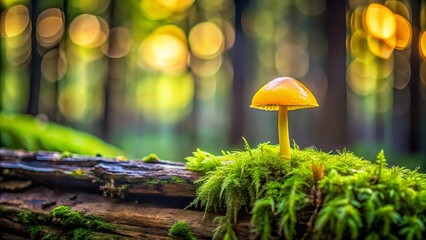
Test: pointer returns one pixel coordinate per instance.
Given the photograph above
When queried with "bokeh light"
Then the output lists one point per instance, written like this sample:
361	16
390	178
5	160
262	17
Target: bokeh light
89	31
92	6
168	66
119	43
53	65
15	27
403	32
361	77
50	27
206	40
164	50
292	60
379	21
160	9
359	46
422	45
379	47
311	8
398	7
205	68
16	20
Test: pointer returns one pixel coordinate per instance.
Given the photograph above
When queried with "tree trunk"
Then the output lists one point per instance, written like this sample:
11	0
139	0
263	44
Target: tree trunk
142	199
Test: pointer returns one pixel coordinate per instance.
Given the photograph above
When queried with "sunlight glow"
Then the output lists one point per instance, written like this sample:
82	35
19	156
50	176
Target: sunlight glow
165	98
164	50
379	21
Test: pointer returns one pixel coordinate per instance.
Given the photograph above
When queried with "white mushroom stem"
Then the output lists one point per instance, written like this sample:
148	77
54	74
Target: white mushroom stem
283	137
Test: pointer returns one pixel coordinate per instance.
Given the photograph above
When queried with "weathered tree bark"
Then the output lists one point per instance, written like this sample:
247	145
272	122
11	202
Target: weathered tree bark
151	195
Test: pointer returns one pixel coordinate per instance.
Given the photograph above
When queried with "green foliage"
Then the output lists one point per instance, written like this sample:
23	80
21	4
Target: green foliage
62	221
181	231
82	234
44	233
24	131
315	194
236	181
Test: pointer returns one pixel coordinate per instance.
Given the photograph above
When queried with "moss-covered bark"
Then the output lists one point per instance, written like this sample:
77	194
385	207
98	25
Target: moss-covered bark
251	193
315	195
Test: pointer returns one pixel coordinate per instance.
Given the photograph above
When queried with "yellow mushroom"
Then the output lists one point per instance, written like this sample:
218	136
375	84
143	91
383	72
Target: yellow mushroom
283	94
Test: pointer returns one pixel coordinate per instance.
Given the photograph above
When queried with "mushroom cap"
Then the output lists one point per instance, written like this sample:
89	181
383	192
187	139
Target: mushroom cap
283	91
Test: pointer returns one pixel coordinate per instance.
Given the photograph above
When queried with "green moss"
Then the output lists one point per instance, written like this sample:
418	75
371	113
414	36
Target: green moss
341	195
30	218
176	179
68	218
44	233
181	231
151	158
63	222
152	181
82	234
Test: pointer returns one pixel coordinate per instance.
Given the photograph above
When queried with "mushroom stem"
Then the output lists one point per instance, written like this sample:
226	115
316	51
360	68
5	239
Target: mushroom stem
283	137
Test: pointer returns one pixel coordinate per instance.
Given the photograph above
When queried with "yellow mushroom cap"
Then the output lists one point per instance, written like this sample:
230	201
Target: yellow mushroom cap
283	91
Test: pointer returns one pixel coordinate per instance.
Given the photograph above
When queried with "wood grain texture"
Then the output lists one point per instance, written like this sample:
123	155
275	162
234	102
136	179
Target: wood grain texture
155	194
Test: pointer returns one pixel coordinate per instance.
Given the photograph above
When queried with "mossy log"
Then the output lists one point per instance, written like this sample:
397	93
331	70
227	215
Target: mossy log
142	199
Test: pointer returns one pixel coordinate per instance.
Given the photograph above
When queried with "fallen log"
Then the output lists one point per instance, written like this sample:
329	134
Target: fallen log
141	199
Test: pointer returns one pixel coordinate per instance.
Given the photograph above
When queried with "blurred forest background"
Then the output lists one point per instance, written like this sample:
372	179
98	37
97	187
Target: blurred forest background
168	76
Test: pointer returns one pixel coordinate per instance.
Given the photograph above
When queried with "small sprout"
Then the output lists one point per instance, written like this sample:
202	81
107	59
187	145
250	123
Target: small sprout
121	158
110	190
70	219
382	163
151	158
317	172
181	231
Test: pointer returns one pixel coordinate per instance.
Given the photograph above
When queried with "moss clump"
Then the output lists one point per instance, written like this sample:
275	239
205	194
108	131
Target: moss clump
82	234
30	218
176	179
62	221
181	231
70	219
151	158
314	195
